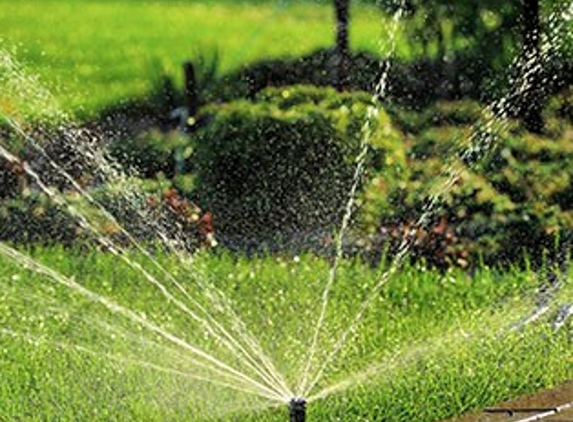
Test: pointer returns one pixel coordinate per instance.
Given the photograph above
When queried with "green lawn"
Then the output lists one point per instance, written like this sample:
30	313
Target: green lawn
93	53
94	336
430	346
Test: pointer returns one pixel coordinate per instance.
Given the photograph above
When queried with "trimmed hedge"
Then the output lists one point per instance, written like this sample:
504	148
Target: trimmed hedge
282	165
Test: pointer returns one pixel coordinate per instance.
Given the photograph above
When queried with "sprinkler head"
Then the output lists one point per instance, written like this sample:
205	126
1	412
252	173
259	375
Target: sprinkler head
297	409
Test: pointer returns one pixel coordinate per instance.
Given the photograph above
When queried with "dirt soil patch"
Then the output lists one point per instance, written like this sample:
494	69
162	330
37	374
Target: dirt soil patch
552	405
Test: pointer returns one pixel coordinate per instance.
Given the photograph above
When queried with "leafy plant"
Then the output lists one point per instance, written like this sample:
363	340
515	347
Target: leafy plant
513	204
282	164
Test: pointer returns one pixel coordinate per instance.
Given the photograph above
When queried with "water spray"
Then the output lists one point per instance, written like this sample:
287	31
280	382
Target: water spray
297	409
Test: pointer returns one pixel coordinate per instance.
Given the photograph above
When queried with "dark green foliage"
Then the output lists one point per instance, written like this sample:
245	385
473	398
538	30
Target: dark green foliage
313	69
11	179
511	200
153	153
414	83
484	29
442	113
281	164
531	177
559	109
141	209
35	219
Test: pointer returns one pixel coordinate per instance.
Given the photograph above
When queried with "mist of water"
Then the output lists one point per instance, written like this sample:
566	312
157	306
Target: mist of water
252	371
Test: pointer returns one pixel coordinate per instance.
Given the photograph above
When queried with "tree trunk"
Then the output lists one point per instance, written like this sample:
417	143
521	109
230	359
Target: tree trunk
532	98
342	50
531	25
190	89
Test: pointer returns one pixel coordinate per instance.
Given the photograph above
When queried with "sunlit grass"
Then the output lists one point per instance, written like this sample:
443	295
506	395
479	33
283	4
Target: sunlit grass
431	345
94	53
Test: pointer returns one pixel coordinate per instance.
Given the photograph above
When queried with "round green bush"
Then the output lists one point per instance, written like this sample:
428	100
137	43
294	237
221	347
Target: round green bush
281	166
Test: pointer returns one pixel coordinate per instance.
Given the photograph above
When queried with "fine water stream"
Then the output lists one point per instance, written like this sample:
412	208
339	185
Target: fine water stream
198	333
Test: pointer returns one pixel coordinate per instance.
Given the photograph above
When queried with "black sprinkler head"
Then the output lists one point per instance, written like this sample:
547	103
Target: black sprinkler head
297	408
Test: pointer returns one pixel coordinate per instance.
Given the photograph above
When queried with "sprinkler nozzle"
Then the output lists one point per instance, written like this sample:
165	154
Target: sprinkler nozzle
297	409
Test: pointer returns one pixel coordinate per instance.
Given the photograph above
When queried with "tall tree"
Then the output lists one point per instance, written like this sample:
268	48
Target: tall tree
532	97
342	49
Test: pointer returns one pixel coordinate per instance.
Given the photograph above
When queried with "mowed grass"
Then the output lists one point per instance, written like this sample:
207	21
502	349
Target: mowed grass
95	53
429	346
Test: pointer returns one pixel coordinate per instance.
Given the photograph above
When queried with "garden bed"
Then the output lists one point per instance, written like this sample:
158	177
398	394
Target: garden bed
555	404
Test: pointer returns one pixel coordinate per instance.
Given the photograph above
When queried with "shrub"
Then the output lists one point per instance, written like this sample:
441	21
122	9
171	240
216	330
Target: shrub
282	164
12	179
147	210
515	203
33	218
558	114
12	175
443	113
414	84
153	153
312	69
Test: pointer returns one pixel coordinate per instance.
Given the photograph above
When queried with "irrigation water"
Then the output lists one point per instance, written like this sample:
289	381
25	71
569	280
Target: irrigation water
200	334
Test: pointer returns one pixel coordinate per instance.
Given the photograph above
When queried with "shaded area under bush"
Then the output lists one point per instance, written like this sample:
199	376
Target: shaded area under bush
415	84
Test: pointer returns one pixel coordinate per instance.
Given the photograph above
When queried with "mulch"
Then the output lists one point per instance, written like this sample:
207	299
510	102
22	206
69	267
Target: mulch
551	405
